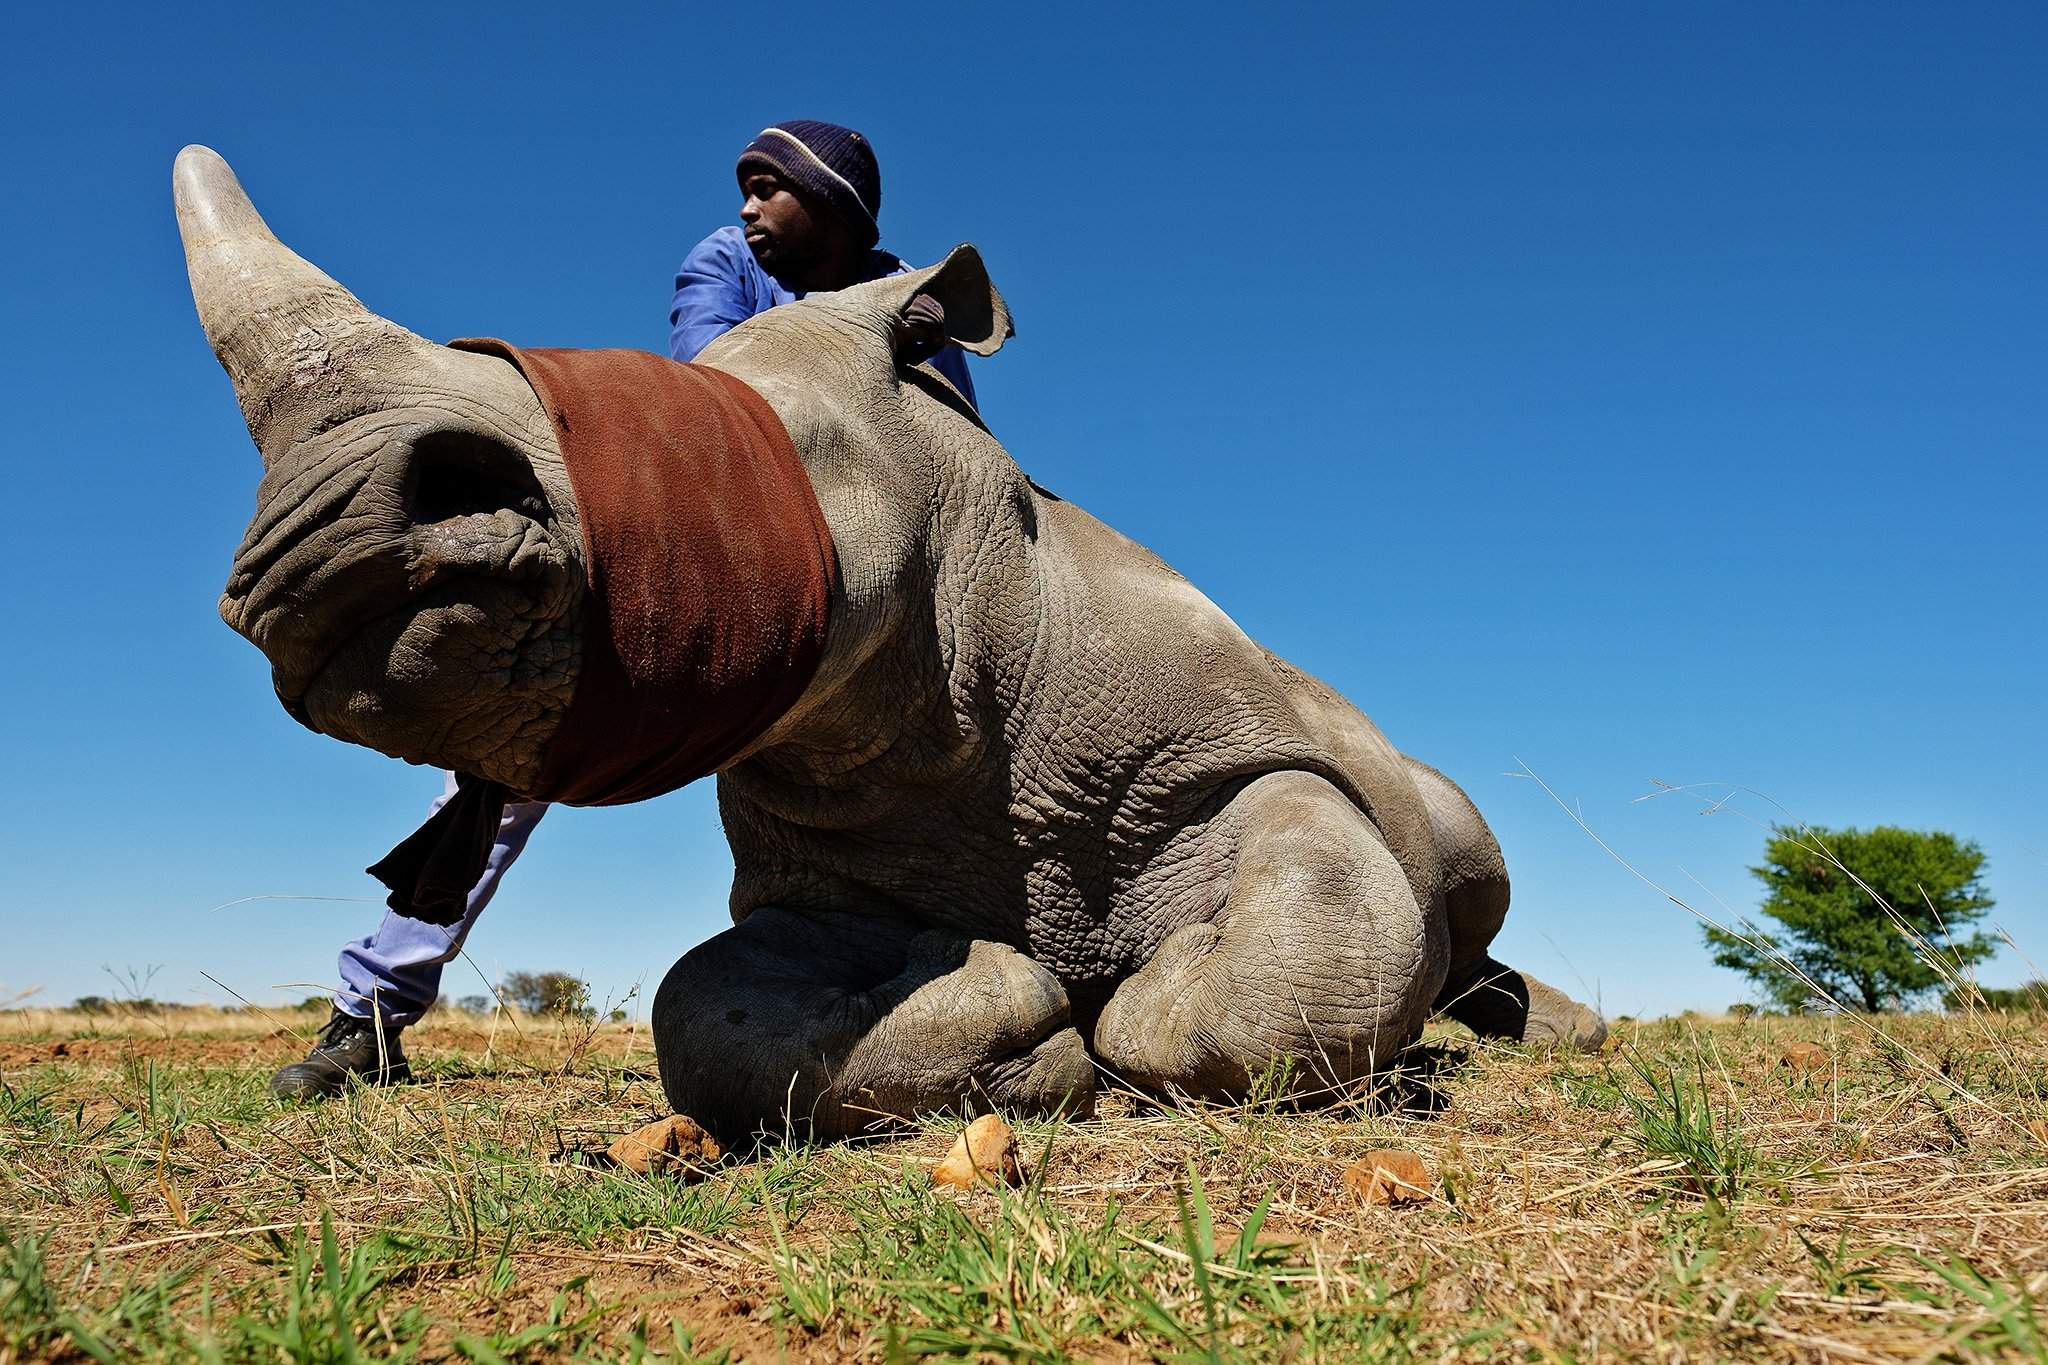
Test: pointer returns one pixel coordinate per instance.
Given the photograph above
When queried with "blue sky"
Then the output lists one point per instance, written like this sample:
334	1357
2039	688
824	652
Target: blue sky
1636	393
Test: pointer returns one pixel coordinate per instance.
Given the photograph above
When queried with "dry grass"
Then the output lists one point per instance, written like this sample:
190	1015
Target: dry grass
34	1024
1685	1196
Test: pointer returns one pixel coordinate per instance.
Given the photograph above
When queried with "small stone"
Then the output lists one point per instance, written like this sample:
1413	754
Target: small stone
675	1143
1805	1057
1388	1175
986	1154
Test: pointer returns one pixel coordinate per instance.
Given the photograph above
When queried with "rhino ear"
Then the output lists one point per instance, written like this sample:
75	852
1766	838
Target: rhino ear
968	312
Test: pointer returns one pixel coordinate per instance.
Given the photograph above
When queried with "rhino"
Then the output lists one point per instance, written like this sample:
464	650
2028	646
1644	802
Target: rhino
1044	818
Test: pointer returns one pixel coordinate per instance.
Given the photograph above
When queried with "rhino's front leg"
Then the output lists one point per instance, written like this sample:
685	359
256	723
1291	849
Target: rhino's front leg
1492	1000
826	1024
1496	1001
1320	958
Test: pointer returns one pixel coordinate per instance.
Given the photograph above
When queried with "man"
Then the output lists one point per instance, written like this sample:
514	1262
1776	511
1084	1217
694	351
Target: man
811	194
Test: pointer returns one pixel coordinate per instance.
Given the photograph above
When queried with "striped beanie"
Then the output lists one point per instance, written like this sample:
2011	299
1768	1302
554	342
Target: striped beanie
833	165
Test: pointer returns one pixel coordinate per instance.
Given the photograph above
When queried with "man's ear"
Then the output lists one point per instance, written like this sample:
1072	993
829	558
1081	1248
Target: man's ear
970	313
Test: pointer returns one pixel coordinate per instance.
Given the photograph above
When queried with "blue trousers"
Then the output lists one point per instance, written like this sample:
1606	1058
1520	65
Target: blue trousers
396	972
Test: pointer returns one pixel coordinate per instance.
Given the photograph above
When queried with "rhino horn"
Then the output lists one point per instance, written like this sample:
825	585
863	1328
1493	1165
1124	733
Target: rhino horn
285	332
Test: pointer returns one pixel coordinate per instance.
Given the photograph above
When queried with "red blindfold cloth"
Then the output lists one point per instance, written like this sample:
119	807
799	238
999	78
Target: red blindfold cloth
711	575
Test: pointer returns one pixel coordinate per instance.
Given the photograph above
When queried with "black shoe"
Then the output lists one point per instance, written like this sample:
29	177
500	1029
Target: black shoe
348	1047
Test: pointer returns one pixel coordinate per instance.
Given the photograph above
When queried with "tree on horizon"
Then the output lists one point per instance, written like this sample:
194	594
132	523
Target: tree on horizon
1875	918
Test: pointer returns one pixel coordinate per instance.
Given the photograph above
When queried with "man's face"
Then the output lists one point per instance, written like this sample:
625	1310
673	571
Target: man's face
784	233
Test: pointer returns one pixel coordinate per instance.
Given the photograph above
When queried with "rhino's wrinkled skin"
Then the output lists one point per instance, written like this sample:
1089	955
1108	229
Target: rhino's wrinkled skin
1044	809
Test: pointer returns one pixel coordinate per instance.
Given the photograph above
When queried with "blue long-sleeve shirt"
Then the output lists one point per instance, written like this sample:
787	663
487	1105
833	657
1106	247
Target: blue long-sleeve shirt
720	285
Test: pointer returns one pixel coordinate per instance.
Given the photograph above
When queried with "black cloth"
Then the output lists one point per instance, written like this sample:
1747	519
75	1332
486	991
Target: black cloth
432	869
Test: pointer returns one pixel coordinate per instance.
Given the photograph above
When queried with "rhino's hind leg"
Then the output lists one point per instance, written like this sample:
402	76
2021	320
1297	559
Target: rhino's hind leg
1492	1000
826	1024
1320	959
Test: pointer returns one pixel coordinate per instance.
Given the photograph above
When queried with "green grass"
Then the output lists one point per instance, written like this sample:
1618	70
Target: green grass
1023	1279
1683	1194
1678	1121
324	1305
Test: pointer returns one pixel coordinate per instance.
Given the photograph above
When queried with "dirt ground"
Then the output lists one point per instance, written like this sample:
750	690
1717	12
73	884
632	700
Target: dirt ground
1688	1195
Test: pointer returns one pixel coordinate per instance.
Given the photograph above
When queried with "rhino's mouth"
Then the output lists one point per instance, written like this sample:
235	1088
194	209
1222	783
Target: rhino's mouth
389	566
419	659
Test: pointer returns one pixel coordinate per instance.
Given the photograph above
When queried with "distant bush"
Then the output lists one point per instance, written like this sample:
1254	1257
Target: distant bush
1741	1009
547	993
2031	996
99	1004
476	1004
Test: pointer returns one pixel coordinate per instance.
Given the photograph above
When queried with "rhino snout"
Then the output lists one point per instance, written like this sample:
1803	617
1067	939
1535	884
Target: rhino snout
375	522
405	574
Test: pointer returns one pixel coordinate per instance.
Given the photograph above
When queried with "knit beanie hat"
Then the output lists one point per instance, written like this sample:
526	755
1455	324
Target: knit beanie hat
830	164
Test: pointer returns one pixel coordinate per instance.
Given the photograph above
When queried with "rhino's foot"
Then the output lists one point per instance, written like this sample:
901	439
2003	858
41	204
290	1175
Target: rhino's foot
1496	1001
1054	1076
822	1026
1316	973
